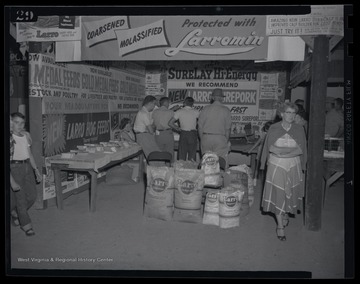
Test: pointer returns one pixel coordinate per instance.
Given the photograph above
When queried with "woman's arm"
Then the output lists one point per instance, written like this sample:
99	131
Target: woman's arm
265	150
285	152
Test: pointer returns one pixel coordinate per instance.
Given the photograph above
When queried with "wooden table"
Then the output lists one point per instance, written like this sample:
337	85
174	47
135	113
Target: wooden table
333	170
239	146
91	163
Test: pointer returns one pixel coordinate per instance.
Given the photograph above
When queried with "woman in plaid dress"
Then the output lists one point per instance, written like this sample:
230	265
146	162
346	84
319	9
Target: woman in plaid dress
286	154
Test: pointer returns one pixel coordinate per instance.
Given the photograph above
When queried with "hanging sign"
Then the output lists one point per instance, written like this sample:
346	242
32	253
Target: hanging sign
50	28
173	38
323	20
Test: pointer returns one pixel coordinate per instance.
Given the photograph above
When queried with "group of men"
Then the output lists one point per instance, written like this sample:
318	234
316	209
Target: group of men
154	127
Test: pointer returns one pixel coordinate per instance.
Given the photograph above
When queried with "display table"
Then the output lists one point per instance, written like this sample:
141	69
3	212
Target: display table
243	147
237	146
92	163
333	168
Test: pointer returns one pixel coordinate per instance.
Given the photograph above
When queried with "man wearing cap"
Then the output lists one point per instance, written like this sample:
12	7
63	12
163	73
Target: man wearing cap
214	126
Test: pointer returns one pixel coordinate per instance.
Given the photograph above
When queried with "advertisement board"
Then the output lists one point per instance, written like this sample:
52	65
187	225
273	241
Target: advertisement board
173	38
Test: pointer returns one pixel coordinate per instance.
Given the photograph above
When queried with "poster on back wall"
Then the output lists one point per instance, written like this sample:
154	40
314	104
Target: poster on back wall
78	103
77	100
250	95
240	88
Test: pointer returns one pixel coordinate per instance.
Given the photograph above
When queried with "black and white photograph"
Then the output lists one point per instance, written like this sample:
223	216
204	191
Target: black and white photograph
187	141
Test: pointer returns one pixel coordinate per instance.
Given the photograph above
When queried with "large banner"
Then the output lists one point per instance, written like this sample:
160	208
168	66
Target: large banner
173	38
80	104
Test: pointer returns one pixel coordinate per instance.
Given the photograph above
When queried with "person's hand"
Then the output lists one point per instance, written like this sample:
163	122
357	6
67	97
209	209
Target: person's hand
15	186
38	175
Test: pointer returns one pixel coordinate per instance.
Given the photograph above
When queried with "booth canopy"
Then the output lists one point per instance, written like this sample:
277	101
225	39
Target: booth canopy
203	37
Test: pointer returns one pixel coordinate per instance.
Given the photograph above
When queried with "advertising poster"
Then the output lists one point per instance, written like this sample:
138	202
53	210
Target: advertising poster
240	87
122	108
272	90
173	38
323	20
50	28
78	105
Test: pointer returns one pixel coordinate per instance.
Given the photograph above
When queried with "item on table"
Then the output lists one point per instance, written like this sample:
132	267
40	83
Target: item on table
67	155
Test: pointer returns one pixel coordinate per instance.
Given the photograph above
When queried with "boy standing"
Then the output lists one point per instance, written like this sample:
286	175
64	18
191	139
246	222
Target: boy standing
22	166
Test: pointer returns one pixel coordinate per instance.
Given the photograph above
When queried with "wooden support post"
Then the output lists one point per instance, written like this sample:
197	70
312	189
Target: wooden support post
287	84
314	180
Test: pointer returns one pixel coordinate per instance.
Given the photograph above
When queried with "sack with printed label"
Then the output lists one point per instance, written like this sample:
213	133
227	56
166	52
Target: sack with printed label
249	183
210	165
189	184
240	177
229	207
211	208
159	198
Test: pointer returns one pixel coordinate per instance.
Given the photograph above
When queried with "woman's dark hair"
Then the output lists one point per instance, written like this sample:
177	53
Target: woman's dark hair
17	114
339	102
148	99
277	118
300	107
123	122
267	125
303	114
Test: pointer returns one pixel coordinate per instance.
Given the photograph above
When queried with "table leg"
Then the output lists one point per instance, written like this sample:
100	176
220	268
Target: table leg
253	163
58	189
93	191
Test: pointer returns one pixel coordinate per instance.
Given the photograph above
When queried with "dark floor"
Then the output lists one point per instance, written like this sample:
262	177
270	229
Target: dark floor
117	237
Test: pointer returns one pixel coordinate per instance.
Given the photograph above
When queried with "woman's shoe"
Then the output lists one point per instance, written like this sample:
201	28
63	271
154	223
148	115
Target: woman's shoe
30	232
285	221
281	234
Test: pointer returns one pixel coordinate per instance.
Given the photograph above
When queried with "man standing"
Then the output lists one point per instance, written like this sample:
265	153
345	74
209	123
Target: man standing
164	136
188	141
334	121
214	126
143	127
